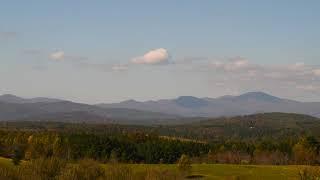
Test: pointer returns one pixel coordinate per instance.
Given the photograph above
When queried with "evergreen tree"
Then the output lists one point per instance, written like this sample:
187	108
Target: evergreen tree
17	156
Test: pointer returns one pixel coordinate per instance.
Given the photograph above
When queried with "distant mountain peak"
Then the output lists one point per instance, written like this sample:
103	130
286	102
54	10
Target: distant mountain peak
8	95
9	98
191	102
262	96
130	101
256	93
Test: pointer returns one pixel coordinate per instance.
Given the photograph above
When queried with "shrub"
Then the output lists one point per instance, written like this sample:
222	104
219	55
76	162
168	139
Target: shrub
86	169
184	164
309	173
17	155
43	168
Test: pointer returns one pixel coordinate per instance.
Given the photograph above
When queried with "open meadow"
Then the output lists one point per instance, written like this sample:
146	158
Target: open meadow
206	171
225	171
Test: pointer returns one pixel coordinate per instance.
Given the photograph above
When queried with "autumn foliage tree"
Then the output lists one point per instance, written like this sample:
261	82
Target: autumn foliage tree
184	164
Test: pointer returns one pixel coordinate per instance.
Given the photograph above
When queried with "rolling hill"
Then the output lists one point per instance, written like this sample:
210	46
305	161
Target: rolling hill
271	125
249	127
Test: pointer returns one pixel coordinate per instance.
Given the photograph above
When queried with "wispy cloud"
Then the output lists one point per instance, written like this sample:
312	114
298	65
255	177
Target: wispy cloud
241	73
120	67
103	67
33	51
8	34
241	66
230	72
309	87
83	62
61	56
232	64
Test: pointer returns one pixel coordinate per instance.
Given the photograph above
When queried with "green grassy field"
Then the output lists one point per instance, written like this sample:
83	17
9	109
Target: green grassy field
6	162
247	172
219	171
224	171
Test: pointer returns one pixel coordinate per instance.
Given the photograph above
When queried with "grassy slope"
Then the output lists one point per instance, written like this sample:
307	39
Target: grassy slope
5	162
246	172
220	171
223	171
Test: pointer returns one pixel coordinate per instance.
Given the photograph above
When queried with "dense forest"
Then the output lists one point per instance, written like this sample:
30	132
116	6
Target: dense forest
133	147
273	138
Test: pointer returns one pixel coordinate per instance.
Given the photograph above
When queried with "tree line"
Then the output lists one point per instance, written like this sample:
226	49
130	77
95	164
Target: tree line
141	147
127	148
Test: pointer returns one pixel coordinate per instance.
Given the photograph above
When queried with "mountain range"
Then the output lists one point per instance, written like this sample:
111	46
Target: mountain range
248	103
181	109
46	109
8	98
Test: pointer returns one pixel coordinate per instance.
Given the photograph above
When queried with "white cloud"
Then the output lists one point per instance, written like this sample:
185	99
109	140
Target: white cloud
157	56
57	56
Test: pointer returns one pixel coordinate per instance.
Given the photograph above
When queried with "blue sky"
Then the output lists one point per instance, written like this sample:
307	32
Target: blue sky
107	51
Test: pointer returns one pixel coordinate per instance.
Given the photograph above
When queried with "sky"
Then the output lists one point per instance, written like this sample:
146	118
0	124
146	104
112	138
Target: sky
109	51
